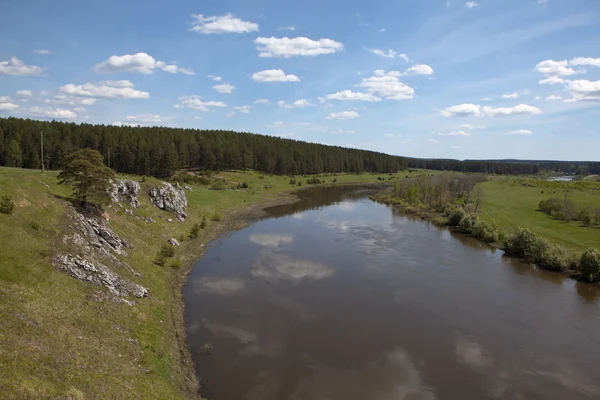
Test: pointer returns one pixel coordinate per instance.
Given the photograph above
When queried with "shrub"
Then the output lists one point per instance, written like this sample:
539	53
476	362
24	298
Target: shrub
313	181
560	215
334	180
243	185
550	257
206	348
194	231
521	243
299	183
176	264
553	204
456	216
587	220
292	182
589	264
204	223
467	224
218	185
7	206
216	216
261	177
486	232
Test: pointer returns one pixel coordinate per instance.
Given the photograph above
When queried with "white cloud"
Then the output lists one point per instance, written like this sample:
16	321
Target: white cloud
274	75
287	28
41	52
383	30
455	133
24	93
486	99
350	95
585	90
57	113
343	131
552	80
476	110
538	97
230	114
542	1
243	109
103	90
514	95
293	47
344	115
553	97
7	105
215	77
387	86
262	101
420	69
145	118
222	24
224	88
432	140
569	100
195	102
595	62
70	100
389	54
552	68
16	67
121	83
520	132
140	62
297	104
471	4
470	126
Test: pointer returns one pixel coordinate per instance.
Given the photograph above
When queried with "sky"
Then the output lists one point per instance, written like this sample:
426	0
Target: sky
482	79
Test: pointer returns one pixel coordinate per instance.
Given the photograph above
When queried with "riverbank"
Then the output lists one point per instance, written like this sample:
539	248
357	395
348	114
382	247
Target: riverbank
63	338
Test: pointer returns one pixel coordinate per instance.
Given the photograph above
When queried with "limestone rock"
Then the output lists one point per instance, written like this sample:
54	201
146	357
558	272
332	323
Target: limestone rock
98	274
169	198
99	235
173	242
188	188
126	191
169	220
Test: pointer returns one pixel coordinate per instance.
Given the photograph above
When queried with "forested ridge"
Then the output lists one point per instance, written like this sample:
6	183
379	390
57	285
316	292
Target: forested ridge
159	151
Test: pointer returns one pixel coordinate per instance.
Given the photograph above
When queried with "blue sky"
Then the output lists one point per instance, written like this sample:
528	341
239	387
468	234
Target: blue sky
422	78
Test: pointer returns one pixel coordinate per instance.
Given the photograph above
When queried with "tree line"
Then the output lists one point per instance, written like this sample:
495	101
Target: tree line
160	151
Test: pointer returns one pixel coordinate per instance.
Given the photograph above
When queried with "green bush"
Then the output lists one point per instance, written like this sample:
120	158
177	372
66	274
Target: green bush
521	244
456	216
204	223
486	232
7	206
216	216
467	224
334	180
242	185
166	251
194	231
292	182
550	257
560	215
176	263
299	183
589	264
218	185
313	181
553	204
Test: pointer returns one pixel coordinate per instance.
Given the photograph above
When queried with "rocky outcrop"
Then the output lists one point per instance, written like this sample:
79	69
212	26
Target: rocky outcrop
97	234
170	198
173	242
125	191
98	274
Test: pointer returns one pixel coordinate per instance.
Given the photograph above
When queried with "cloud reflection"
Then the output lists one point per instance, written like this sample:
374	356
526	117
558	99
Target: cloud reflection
220	286
277	267
270	240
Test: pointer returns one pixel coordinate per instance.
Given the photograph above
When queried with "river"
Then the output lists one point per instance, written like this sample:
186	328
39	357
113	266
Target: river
338	297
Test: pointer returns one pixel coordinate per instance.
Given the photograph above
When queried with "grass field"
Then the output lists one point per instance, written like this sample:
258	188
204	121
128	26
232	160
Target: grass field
64	339
509	204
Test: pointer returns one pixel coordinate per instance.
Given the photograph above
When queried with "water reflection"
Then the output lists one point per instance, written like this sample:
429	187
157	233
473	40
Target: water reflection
348	299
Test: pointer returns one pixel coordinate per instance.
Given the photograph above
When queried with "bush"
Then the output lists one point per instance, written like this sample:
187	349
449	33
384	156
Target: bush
313	181
299	183
292	182
456	216
216	216
553	204
218	185
204	223
176	264
587	220
7	206
486	232
194	231
521	244
467	224
560	215
553	258
589	264
243	185
163	254
334	180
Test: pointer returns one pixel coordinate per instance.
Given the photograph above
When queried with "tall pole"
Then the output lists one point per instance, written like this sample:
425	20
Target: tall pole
109	157
42	143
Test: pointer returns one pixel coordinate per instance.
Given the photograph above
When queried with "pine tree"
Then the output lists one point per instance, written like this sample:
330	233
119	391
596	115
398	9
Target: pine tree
90	178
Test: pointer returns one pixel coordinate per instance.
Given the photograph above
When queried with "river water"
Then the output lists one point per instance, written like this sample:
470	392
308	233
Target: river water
337	297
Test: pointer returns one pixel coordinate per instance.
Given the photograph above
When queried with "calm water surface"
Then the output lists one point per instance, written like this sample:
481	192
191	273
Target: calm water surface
338	297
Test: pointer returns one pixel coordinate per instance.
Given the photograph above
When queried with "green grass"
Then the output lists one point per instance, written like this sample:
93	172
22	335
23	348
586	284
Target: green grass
62	338
508	204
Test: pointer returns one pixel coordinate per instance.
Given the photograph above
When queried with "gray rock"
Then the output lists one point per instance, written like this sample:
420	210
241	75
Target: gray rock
169	220
188	188
150	219
98	274
125	191
173	242
169	198
45	184
128	211
99	235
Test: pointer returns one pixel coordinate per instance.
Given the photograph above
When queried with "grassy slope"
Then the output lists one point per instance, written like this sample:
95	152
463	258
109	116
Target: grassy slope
509	205
60	337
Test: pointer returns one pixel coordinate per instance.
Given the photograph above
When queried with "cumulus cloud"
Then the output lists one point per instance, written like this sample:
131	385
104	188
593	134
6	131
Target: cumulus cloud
6	105
224	88
514	95
297	104
520	132
16	67
595	62
121	83
350	95
389	54
70	100
554	70
243	109
471	4
476	110
455	133
215	77
293	47
344	115
274	75
343	131
222	24
195	102
554	97
551	80
387	86
41	52
140	62
24	93
585	90
419	69
262	101
56	113
105	90
145	118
